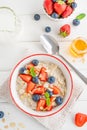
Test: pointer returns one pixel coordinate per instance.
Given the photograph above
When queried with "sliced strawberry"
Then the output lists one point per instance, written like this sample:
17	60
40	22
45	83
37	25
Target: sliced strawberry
56	90
80	119
29	66
41	104
48	5
25	77
48	108
65	30
43	76
43	69
60	7
39	90
30	86
67	12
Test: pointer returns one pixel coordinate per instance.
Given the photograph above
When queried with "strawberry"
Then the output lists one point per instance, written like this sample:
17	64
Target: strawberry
67	12
56	90
43	74
29	66
25	77
65	30
48	5
60	7
39	90
30	86
41	104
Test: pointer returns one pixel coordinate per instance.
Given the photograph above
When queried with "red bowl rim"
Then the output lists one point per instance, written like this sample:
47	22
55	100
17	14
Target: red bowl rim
40	55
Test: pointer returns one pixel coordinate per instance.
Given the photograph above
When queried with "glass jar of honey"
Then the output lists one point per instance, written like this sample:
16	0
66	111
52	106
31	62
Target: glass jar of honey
78	47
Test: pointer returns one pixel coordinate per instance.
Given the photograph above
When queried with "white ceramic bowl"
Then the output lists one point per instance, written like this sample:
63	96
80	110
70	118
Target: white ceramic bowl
41	57
55	19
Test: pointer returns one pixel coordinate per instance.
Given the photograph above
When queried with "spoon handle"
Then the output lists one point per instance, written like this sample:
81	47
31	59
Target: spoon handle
82	77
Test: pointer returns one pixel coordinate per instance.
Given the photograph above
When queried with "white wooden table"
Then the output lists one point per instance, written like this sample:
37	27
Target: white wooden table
28	38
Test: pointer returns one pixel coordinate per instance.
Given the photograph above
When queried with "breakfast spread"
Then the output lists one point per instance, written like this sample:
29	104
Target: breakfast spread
59	8
41	85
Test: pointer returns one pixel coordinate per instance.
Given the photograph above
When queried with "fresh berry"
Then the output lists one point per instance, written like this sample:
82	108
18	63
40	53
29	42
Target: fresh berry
30	86
47	29
76	22
50	92
21	71
59	100
80	119
65	30
35	62
51	79
68	11
41	104
39	90
55	15
48	5
36	97
25	77
73	5
1	114
56	90
36	17
35	80
60	7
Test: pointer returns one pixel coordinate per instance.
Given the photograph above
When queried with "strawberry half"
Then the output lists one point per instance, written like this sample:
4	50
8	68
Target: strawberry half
48	5
65	30
60	7
67	12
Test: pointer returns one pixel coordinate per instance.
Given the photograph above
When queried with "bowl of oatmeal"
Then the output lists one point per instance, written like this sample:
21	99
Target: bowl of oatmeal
41	85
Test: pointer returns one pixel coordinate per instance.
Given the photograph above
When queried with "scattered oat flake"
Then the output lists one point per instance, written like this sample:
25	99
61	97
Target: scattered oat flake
21	125
6	126
3	120
83	60
18	129
73	60
12	124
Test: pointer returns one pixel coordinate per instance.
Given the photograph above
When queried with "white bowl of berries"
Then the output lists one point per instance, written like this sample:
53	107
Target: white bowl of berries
41	85
59	9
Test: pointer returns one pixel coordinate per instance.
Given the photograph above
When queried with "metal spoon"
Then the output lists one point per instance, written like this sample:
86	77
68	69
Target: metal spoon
51	46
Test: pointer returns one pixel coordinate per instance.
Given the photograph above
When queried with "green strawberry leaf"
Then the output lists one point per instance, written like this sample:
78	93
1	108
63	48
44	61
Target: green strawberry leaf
47	95
60	2
32	72
47	101
80	16
64	34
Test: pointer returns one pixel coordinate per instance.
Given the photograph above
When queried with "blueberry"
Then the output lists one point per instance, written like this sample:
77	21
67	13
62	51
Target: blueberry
35	80
51	79
55	15
21	71
54	0
76	22
36	17
74	5
50	92
47	29
35	62
59	100
1	114
36	97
